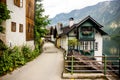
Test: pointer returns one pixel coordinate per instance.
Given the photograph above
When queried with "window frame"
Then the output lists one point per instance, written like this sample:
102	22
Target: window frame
21	28
96	46
13	26
18	3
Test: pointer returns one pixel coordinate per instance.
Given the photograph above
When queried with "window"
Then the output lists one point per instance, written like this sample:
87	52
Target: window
18	3
86	45
29	31
13	26
21	3
30	19
30	10
82	45
20	27
96	46
91	45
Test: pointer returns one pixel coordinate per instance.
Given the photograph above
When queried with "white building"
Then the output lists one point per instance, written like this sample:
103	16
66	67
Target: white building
19	29
89	35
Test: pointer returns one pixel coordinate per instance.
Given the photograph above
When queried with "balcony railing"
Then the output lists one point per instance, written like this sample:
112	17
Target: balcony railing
86	35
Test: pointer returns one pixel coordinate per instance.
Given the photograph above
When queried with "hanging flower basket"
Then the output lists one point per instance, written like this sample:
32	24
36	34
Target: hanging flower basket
86	33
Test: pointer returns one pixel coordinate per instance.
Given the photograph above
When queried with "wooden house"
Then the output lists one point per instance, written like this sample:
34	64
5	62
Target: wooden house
88	34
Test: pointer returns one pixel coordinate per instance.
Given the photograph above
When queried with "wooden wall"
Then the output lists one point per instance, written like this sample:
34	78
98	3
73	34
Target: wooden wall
30	19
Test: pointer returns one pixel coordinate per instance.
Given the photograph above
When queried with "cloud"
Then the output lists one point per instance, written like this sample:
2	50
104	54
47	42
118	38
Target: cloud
53	7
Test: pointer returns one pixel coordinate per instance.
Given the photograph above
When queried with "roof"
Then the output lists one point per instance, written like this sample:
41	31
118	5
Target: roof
90	18
68	29
65	29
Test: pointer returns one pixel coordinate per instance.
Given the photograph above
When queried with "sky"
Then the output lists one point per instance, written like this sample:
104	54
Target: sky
54	7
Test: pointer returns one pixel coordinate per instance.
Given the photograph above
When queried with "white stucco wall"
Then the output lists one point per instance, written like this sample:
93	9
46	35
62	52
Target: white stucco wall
52	38
64	42
18	15
99	40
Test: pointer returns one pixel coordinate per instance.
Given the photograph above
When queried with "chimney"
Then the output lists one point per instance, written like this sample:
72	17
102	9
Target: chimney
71	21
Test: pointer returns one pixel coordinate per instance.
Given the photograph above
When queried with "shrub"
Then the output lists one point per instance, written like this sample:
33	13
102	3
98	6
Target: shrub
2	46
27	52
6	63
11	59
15	57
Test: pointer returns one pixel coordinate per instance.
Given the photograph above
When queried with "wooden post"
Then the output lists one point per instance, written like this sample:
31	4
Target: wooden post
119	67
72	65
105	63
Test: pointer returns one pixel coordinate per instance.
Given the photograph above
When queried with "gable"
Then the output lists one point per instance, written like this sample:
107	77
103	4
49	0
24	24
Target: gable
87	23
72	33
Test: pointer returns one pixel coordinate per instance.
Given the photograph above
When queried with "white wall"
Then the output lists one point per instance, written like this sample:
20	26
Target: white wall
64	42
52	38
18	15
99	40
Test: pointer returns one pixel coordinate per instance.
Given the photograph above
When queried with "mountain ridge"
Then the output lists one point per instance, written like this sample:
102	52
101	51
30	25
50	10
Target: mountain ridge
106	13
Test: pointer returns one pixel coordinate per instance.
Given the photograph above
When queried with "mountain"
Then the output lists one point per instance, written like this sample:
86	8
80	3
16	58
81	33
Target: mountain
106	13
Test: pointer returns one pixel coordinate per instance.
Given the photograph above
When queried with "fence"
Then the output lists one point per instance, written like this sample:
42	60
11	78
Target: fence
109	65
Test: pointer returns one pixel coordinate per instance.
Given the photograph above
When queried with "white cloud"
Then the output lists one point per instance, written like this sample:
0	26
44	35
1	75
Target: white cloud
53	7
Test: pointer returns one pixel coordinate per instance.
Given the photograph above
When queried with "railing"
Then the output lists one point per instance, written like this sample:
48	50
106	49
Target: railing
108	66
87	37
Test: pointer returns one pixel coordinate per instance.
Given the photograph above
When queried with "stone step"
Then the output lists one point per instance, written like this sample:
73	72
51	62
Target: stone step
84	76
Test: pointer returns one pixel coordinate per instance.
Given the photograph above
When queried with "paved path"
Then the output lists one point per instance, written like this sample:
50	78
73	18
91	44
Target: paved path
47	66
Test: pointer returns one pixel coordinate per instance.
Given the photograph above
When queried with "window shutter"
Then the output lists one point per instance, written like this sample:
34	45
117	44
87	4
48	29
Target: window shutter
15	2
29	20
18	3
3	1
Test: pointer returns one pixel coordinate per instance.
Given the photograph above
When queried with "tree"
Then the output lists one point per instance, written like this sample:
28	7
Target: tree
4	15
116	35
40	22
72	43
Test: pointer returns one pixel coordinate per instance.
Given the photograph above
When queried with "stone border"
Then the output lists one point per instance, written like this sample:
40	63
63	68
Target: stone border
83	76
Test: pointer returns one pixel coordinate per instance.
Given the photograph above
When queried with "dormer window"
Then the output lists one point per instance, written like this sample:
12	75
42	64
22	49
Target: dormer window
18	3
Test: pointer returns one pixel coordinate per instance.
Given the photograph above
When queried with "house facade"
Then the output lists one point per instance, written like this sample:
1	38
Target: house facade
19	29
88	34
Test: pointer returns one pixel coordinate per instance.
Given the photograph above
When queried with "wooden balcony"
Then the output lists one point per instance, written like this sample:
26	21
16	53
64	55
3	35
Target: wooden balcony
86	35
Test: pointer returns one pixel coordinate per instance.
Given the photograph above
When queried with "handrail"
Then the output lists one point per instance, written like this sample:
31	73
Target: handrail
73	65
